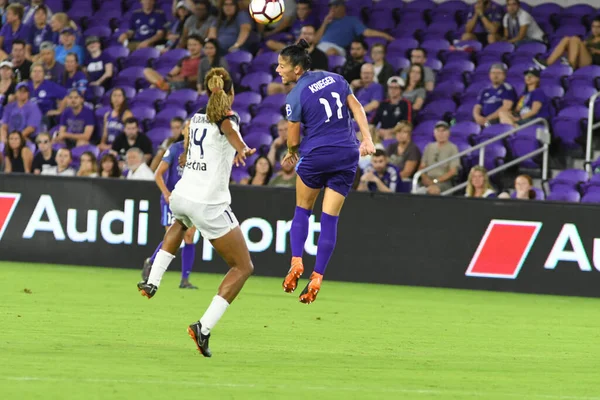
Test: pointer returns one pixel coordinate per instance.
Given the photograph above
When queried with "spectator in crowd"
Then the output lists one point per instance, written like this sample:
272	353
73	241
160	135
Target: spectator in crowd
49	96
21	115
278	148
146	27
532	104
176	136
393	110
281	27
404	154
114	119
419	57
286	177
304	17
523	189
478	183
3	8
351	68
494	99
60	21
181	14
212	59
74	77
198	23
338	30
63	164
260	173
21	65
368	92
109	167
233	29
68	46
46	155
98	65
383	69
483	22
17	156
131	137
7	83
30	10
579	53
519	25
39	33
76	122
415	91
88	165
137	169
380	176
53	70
439	179
185	74
12	30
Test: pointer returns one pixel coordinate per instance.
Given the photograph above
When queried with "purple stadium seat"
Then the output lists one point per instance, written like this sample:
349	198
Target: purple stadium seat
495	154
459	65
587	74
400	47
569	30
592	197
407	29
170	58
336	62
571	196
567	126
529	132
554	73
420	5
464	130
456	55
434	46
552	90
256	81
578	94
141	57
425	129
103	32
439	109
200	102
398	62
117	52
158	135
464	113
381	19
258	141
143	112
531	48
266	62
150	96
272	103
517	82
478	86
448	76
77	152
578	11
573	176
434	64
245	119
181	98
518	70
498	48
245	100
521	145
239	60
266	119
493	131
422	142
55	5
239	173
446	89
130	76
546	9
163	118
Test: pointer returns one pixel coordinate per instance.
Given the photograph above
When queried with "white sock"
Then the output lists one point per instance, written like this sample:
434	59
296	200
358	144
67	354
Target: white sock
213	314
159	267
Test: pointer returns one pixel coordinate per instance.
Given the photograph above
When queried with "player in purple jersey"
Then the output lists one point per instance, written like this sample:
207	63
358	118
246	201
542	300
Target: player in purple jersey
167	175
326	158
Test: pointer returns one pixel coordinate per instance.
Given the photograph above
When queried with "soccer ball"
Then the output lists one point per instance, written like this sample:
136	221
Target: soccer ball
266	11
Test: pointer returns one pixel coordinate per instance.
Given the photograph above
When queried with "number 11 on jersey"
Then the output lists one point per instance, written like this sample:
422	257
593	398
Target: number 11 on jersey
338	103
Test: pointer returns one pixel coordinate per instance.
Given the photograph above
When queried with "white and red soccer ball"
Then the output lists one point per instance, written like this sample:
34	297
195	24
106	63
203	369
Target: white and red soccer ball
266	11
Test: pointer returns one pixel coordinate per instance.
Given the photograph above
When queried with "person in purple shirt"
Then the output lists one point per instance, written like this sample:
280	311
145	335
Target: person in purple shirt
368	92
13	29
484	22
98	65
76	122
304	16
326	158
46	94
532	104
39	32
499	96
21	115
381	176
74	77
167	175
146	27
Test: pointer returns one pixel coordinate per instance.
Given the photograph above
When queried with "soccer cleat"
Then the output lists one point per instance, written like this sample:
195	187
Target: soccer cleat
195	332
146	269
147	289
291	280
309	294
187	285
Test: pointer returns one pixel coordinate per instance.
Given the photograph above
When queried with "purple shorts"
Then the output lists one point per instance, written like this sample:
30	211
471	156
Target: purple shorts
166	217
331	167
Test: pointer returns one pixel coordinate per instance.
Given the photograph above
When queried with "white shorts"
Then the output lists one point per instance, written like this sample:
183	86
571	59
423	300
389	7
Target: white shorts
324	46
212	220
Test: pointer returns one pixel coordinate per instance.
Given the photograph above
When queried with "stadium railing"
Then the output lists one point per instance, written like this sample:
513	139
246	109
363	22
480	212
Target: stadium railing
590	129
542	135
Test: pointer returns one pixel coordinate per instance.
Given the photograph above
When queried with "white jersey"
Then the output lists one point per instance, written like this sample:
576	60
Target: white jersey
209	160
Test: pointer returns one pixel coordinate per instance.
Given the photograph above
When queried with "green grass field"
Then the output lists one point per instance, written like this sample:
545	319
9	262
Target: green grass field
86	333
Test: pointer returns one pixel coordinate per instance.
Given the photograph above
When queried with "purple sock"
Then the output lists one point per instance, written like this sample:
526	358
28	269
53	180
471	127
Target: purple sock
155	252
326	243
187	260
299	231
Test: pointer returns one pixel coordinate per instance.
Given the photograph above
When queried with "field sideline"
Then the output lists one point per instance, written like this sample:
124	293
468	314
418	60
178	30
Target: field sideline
86	333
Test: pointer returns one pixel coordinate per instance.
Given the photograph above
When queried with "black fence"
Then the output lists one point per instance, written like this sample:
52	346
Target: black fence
532	247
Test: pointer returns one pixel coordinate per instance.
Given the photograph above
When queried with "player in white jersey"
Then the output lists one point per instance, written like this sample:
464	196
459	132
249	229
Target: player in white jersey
201	198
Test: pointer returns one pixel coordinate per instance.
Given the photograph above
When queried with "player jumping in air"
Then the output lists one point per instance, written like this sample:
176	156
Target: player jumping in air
167	175
327	157
201	198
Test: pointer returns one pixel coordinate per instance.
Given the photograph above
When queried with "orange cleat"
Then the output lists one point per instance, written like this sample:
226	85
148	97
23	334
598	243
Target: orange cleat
309	294
291	280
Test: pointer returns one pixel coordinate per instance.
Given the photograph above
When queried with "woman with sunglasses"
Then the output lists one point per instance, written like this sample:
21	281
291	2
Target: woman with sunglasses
45	157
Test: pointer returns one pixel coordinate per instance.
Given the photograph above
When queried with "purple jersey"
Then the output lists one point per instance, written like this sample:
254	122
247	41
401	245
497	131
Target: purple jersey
96	66
46	95
318	101
144	26
78	81
114	127
528	98
18	118
171	157
37	36
7	33
490	99
77	123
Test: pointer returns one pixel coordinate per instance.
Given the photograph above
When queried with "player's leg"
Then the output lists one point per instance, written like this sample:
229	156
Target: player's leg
188	255
305	201
155	78
166	219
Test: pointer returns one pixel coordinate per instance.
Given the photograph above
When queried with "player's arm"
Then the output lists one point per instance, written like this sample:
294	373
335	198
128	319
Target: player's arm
186	143
235	139
360	117
293	139
160	181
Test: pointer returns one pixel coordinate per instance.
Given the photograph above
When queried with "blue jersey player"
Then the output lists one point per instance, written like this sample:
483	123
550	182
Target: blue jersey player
326	158
167	175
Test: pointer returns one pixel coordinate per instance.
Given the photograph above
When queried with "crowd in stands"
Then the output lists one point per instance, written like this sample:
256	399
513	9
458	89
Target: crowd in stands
101	88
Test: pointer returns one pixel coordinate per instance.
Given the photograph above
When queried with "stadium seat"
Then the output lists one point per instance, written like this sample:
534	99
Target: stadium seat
141	57
256	81
150	96
571	196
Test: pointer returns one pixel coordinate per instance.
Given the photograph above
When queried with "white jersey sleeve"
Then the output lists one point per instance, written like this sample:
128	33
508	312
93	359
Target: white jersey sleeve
209	161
